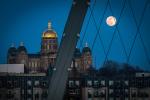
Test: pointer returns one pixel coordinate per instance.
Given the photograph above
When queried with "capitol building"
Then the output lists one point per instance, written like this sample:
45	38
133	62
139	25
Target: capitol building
40	62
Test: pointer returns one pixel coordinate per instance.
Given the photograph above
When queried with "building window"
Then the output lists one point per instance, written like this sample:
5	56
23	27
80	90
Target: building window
29	64
89	83
126	98
111	98
47	47
77	83
72	64
96	83
126	83
89	93
111	91
111	83
32	64
103	82
22	91
76	64
70	83
126	90
29	99
29	91
77	91
35	64
36	83
29	83
96	93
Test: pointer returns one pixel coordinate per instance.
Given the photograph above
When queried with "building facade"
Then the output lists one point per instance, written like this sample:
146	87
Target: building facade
39	62
84	87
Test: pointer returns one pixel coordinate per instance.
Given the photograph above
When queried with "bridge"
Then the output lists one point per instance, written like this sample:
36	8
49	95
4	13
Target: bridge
71	35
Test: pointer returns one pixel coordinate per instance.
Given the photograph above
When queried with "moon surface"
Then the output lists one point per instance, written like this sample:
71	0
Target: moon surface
111	21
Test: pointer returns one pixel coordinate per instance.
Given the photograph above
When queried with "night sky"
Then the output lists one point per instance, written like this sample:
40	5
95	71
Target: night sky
25	20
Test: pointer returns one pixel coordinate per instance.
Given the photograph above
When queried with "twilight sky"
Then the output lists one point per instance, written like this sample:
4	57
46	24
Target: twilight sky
25	20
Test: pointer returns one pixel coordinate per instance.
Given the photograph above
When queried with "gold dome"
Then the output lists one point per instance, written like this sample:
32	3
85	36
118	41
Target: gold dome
50	33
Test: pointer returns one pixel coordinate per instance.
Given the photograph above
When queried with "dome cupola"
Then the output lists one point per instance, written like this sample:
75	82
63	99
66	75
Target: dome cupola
49	33
22	48
12	50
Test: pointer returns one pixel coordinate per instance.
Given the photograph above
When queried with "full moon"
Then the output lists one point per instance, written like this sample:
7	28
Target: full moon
111	21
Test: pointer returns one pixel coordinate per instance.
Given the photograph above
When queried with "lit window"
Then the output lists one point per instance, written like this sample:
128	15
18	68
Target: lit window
126	82
102	82
76	64
72	64
77	83
102	91
35	64
89	93
36	83
89	83
29	83
32	64
70	83
96	83
29	91
111	91
111	83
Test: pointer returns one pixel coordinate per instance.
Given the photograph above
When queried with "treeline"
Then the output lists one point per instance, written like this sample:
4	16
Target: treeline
114	69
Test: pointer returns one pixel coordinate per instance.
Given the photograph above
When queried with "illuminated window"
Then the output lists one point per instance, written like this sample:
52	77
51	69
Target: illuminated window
70	83
29	91
111	83
36	83
29	83
111	91
96	83
77	83
89	83
35	64
72	64
126	83
76	64
103	82
32	64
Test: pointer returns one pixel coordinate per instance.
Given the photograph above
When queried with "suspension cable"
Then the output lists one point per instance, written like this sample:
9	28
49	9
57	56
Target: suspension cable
85	31
138	31
115	28
98	30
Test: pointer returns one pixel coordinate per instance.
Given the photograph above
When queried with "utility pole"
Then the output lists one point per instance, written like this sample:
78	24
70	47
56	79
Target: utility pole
68	43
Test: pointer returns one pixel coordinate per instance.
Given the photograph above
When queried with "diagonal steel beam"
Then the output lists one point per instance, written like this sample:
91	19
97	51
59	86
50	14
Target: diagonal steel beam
69	40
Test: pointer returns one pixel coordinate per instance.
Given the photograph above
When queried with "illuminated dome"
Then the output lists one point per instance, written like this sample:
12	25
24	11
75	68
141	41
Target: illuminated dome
50	33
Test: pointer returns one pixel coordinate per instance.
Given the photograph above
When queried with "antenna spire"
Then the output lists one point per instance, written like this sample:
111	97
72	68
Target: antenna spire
49	25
